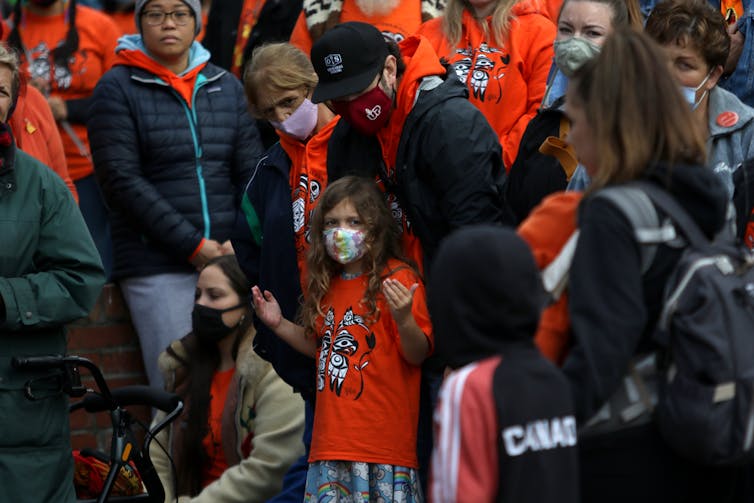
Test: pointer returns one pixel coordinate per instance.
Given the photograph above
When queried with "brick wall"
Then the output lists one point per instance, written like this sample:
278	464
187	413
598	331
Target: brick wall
107	338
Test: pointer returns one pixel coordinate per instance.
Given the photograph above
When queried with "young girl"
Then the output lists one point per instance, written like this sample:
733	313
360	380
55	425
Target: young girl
365	320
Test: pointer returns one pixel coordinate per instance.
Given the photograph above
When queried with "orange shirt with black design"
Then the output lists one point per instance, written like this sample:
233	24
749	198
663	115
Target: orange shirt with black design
506	81
399	24
98	36
212	442
367	405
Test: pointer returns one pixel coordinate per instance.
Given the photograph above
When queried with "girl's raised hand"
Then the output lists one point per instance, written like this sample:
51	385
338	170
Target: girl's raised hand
266	307
399	299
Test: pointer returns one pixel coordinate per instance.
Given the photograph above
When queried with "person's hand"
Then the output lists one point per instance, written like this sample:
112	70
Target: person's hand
266	308
227	248
399	299
736	48
209	250
42	85
58	107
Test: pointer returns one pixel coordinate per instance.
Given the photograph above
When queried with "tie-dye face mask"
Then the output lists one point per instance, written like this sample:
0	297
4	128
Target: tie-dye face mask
345	245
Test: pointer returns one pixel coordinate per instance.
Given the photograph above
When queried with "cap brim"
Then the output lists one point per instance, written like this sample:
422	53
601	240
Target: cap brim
325	91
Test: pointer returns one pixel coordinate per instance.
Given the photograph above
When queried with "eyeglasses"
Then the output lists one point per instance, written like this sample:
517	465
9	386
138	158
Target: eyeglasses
157	17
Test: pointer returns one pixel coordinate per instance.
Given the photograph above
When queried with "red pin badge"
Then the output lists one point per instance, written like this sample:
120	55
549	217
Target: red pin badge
727	119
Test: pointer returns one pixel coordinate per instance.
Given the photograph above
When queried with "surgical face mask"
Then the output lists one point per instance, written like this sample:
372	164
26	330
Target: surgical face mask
300	123
208	325
368	113
689	93
345	245
572	53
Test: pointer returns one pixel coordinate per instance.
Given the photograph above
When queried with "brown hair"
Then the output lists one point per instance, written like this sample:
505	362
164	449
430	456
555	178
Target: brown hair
692	22
277	67
381	236
635	109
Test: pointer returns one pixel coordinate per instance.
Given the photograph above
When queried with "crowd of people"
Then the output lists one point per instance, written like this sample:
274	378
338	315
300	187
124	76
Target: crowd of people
336	226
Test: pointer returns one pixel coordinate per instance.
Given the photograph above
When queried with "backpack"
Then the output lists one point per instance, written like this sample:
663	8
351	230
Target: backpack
705	388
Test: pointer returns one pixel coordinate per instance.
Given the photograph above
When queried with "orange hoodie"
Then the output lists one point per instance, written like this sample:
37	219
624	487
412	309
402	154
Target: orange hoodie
546	230
308	180
183	84
505	82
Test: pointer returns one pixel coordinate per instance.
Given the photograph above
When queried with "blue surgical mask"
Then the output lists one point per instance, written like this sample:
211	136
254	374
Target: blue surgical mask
689	93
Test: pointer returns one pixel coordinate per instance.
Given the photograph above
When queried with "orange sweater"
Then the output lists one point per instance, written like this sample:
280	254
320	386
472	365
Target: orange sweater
505	82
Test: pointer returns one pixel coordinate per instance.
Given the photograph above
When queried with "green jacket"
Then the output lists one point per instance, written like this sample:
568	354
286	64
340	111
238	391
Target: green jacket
50	274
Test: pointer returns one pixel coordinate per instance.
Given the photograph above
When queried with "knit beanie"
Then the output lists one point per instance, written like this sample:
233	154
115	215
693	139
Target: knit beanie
195	5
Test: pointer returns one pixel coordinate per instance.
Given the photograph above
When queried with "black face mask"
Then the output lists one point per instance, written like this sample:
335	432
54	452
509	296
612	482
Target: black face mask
208	323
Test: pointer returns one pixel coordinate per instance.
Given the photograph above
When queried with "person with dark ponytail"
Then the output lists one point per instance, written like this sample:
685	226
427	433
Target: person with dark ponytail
66	48
242	425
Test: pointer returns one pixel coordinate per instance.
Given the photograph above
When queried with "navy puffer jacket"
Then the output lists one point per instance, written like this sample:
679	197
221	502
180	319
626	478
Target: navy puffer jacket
171	174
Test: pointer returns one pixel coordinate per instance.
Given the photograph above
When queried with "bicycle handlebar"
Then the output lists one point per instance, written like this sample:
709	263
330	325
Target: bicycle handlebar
132	395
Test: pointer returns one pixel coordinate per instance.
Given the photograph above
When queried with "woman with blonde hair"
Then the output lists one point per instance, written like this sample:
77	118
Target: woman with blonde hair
502	50
278	202
630	122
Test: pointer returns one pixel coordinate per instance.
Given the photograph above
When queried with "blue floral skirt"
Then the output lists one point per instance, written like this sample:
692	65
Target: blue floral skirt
353	482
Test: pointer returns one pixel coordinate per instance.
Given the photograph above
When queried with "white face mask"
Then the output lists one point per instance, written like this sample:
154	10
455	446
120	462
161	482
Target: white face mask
300	123
690	92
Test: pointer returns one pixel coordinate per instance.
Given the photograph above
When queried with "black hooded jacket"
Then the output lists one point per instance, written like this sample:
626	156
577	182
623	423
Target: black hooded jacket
613	308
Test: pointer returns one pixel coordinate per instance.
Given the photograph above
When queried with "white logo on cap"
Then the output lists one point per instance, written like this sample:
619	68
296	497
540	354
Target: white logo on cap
374	113
334	63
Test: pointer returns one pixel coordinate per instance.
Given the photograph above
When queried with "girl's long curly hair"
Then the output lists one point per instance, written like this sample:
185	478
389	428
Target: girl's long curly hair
382	238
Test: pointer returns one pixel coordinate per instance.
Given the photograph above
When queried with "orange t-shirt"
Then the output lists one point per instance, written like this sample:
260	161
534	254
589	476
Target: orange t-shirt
367	404
506	82
98	36
212	443
402	22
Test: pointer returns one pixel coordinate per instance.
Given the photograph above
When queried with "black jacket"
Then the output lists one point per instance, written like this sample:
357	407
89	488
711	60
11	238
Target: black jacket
264	245
613	307
274	24
171	175
449	168
534	175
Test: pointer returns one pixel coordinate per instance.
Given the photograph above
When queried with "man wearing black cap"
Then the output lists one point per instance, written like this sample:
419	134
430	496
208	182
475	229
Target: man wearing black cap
408	120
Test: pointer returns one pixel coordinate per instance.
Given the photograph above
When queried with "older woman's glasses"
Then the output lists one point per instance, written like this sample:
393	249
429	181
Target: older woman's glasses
157	17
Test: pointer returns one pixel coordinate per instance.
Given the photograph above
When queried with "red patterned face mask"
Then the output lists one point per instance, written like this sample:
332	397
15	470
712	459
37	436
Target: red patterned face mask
368	113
